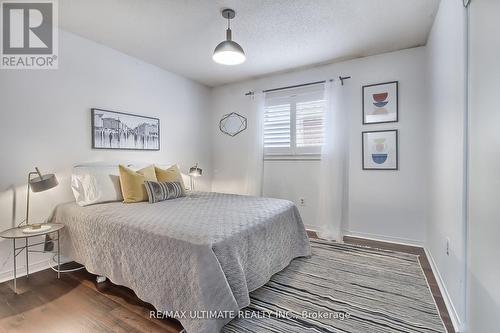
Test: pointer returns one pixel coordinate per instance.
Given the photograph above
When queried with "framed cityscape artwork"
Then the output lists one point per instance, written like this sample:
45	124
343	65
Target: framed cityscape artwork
380	150
380	103
117	130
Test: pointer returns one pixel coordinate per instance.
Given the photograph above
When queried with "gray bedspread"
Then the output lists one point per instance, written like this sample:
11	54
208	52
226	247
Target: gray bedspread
203	252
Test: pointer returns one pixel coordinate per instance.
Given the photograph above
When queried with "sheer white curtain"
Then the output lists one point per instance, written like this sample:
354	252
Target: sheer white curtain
255	161
333	172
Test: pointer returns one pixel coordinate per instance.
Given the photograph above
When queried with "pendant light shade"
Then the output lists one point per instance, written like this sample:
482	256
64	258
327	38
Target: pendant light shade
229	52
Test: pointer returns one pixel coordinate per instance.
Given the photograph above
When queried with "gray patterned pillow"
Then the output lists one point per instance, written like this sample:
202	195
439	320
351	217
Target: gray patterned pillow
162	191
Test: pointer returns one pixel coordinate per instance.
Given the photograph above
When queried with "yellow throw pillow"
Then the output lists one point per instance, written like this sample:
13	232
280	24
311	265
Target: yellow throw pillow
172	174
132	183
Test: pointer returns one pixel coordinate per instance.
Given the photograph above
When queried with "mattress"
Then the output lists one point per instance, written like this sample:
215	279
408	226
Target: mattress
200	255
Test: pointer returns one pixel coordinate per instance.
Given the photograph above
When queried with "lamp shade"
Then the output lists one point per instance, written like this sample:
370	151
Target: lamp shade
229	52
195	171
43	182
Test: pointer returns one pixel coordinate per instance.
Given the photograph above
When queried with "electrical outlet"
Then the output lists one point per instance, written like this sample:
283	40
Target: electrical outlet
302	201
447	246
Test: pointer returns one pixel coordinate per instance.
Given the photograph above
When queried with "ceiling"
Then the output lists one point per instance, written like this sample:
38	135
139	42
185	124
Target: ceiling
277	35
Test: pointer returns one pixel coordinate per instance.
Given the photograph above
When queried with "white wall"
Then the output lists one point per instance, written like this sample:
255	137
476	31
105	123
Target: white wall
484	217
294	181
45	122
382	204
446	91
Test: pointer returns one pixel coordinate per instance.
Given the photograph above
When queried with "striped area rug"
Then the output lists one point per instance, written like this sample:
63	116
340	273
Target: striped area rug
343	288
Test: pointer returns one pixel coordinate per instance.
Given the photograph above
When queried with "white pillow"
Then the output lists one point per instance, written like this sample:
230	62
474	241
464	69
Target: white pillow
95	184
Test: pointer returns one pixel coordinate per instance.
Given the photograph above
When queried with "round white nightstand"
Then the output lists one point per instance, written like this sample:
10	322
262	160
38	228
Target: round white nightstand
17	233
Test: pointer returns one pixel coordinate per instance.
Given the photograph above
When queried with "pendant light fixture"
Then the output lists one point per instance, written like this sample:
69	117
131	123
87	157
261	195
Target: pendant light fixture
229	52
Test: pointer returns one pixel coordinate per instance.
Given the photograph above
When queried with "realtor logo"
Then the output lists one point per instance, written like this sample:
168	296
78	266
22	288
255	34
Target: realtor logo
29	35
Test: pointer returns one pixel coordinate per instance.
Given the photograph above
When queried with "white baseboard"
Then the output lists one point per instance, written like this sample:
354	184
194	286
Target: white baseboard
455	318
381	238
33	268
21	271
311	227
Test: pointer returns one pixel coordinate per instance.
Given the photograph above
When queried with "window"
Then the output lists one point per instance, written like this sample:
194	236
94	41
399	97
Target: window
294	122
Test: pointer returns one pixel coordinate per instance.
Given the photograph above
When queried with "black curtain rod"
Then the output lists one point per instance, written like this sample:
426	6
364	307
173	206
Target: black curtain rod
341	78
295	86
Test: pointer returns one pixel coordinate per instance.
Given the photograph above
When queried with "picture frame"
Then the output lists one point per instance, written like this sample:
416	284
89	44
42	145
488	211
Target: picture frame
380	150
380	103
124	131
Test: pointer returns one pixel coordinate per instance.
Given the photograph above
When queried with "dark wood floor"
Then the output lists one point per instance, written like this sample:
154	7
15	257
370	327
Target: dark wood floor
76	304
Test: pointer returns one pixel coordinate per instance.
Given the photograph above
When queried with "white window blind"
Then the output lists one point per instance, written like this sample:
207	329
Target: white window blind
309	126
277	124
294	122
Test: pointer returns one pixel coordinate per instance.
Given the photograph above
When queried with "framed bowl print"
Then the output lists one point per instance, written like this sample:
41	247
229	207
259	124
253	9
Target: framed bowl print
380	150
380	103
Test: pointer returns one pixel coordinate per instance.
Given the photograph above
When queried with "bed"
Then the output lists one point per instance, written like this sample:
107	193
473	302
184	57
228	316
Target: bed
200	255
